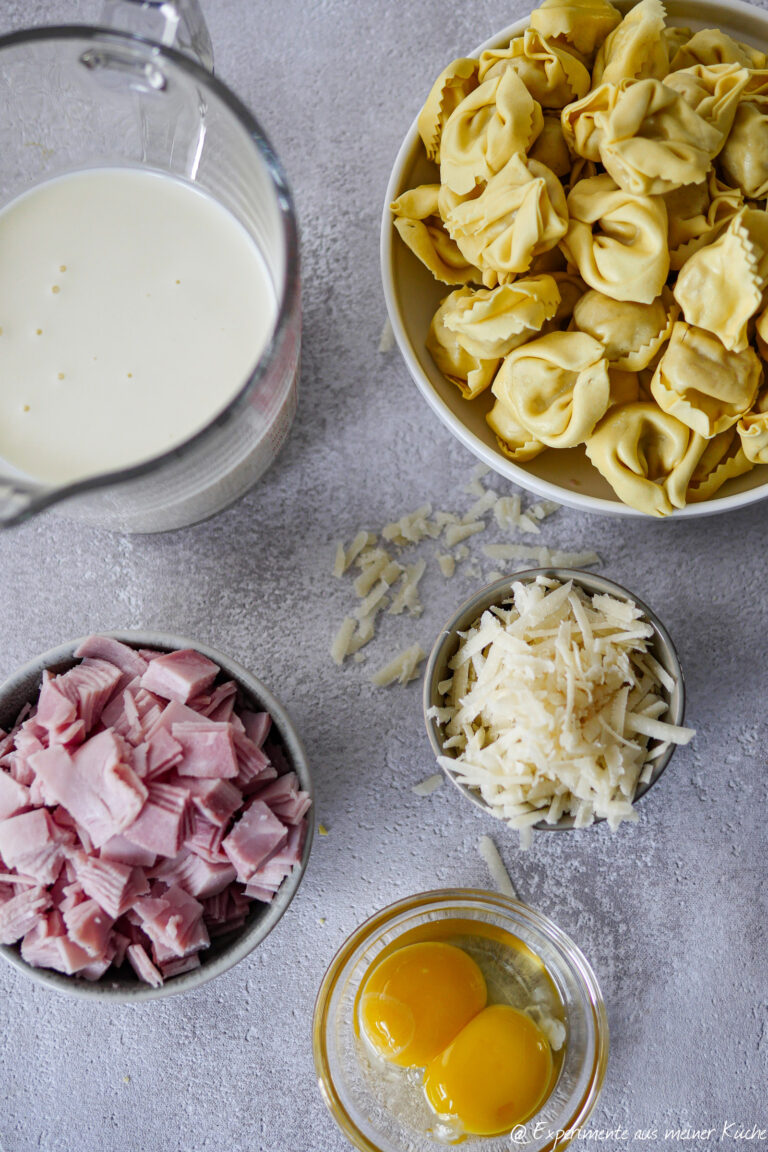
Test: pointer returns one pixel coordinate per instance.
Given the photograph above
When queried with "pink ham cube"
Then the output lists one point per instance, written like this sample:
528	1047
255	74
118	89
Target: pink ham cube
180	675
256	836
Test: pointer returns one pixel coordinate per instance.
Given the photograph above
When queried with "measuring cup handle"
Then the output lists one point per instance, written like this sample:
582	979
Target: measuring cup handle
173	23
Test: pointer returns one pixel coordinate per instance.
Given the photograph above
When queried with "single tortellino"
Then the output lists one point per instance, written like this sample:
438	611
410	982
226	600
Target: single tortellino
557	387
489	323
418	221
617	240
712	91
744	159
697	214
702	384
493	122
576	25
721	286
514	441
753	434
712	46
636	49
550	147
452	85
520	213
553	76
582	122
723	458
631	333
469	373
646	455
653	141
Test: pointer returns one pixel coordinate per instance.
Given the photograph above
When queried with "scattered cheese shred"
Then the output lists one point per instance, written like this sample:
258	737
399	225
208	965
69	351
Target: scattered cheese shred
340	646
411	528
455	533
447	564
387	338
428	786
403	668
481	506
408	592
553	701
499	874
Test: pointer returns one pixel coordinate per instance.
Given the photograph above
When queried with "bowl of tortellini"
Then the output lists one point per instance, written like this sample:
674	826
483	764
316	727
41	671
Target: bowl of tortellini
575	254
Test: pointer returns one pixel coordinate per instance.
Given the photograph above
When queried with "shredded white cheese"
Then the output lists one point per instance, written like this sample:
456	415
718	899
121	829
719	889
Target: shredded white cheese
428	786
455	533
403	668
447	564
553	702
340	645
387	338
408	593
499	874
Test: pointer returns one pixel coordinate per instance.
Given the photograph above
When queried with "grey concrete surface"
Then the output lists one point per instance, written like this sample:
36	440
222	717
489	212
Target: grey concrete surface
671	912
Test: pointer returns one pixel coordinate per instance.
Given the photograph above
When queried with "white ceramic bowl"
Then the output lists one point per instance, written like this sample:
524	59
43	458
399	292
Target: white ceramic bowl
224	951
412	296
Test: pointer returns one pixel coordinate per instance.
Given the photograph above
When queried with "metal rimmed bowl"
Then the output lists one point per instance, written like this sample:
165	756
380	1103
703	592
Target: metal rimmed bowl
412	296
360	1104
226	951
437	669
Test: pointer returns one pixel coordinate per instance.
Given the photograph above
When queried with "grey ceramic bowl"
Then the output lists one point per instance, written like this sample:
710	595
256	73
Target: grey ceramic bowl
224	951
660	646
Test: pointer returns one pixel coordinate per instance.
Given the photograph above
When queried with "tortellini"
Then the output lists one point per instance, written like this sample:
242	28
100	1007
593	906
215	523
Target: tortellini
514	441
496	120
646	455
553	76
653	141
700	383
631	333
418	221
452	85
579	26
723	458
697	214
557	387
605	243
743	161
520	213
617	240
711	46
636	49
721	286
489	323
471	374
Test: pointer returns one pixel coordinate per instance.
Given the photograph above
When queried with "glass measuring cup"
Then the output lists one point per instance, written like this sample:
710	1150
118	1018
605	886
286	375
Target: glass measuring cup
120	94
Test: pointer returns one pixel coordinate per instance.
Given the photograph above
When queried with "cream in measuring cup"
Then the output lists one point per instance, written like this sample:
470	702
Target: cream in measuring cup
133	308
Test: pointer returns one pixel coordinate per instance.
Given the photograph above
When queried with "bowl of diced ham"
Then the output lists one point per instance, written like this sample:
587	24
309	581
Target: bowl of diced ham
155	815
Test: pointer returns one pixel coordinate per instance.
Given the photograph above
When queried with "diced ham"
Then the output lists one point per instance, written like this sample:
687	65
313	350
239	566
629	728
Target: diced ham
55	712
163	753
143	966
205	839
14	797
208	749
180	964
113	886
257	892
180	675
292	850
292	811
164	822
33	844
217	800
197	876
257	726
173	920
254	767
89	927
95	784
89	686
21	913
124	851
105	648
282	788
256	836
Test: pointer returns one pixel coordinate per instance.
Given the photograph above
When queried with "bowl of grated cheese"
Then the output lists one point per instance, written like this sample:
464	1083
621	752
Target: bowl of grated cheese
554	699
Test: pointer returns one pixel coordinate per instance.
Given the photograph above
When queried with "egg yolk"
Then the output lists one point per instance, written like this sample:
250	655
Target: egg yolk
417	999
494	1075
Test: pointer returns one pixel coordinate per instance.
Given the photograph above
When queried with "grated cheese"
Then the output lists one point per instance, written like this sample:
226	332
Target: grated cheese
483	505
552	703
411	528
428	786
506	512
447	565
408	593
499	874
387	338
403	668
456	533
340	645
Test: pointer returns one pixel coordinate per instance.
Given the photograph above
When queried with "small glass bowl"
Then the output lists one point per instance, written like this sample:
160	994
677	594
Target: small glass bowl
363	1116
438	669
